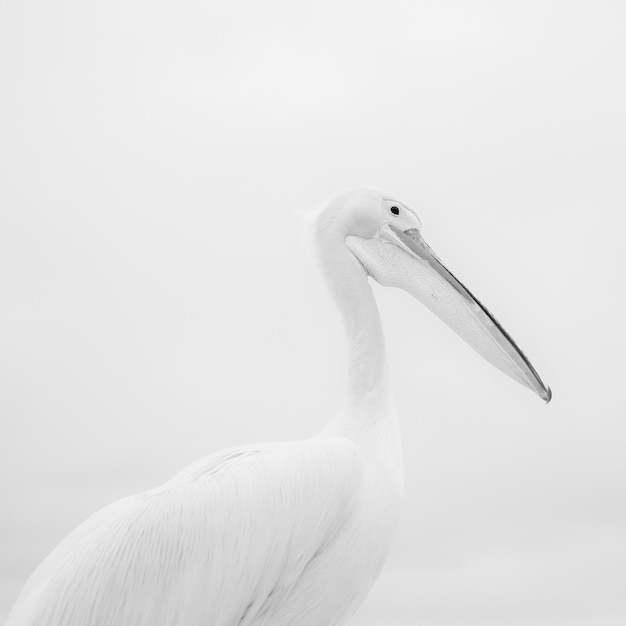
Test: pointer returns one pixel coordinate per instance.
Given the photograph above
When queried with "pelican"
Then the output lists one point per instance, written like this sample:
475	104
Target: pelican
290	533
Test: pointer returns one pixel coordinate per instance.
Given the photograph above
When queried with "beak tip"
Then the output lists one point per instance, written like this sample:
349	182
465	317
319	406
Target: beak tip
547	396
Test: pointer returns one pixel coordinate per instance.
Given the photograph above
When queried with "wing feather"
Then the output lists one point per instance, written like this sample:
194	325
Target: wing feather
210	546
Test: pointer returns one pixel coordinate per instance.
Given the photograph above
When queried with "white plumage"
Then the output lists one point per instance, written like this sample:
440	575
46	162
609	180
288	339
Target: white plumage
237	538
280	533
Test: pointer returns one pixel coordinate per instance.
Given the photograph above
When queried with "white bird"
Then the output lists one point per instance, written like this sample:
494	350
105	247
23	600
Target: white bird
278	533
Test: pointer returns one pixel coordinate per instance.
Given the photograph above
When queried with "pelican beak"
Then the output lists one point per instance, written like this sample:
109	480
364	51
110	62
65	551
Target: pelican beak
402	259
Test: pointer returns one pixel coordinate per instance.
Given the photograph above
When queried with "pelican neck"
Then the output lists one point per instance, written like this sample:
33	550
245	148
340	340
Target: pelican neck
367	380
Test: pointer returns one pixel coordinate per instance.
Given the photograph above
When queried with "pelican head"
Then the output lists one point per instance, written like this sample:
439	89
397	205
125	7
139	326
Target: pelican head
384	236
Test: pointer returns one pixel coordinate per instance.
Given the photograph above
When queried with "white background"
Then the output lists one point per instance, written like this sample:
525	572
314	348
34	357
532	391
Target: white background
159	165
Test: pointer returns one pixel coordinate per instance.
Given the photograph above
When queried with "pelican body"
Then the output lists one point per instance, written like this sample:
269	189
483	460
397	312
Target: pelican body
277	534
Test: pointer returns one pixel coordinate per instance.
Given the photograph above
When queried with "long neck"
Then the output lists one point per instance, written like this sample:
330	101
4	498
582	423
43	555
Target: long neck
367	388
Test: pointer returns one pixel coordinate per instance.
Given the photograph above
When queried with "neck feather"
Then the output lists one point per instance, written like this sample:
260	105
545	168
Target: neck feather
353	296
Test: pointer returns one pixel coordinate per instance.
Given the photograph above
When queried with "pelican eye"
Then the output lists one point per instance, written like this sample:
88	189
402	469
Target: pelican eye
395	210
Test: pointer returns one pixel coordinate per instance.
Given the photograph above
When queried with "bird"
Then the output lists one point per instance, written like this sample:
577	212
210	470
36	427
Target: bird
283	533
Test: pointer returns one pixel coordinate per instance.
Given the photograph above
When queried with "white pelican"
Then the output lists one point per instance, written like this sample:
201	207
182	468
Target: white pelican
277	533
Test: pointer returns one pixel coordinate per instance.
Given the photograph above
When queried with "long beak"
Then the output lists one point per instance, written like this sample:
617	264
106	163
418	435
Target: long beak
403	259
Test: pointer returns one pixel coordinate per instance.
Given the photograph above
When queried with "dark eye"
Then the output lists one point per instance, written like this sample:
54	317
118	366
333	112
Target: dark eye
395	210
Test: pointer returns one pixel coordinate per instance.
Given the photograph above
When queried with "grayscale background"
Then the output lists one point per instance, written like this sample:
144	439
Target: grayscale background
159	165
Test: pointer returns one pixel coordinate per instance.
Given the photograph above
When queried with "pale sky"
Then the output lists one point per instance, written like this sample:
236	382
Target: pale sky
160	165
